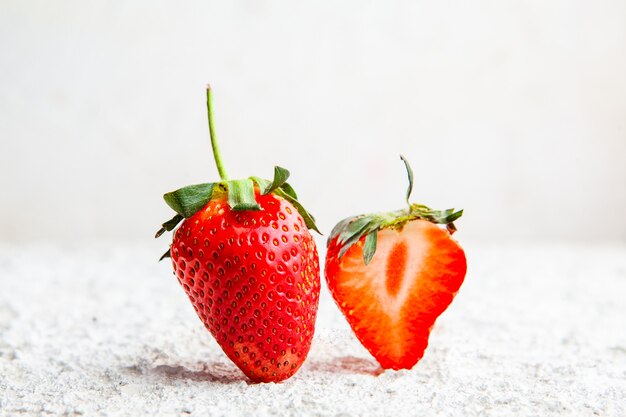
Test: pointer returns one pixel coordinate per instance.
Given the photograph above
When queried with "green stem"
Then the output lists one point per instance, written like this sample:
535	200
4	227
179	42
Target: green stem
216	151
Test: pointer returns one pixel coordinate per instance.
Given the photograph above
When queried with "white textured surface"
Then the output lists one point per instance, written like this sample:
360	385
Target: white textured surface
502	107
106	331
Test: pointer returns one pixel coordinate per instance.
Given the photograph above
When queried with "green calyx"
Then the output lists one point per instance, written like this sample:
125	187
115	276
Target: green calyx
188	200
352	229
239	193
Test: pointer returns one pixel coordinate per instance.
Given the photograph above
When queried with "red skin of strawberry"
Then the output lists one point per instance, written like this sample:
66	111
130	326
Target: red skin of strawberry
253	279
392	303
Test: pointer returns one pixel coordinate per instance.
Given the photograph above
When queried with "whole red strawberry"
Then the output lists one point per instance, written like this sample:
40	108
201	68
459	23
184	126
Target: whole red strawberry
392	275
246	259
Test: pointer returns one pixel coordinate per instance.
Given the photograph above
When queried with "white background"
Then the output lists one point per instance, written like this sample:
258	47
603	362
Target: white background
514	111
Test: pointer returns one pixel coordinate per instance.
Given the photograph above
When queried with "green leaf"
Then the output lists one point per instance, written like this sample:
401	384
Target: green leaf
353	228
437	216
288	189
262	183
281	188
339	228
409	172
241	195
189	200
169	225
167	254
280	177
354	231
454	216
369	248
309	220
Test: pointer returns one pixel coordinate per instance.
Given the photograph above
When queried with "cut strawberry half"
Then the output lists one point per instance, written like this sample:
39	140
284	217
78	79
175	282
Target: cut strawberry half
392	275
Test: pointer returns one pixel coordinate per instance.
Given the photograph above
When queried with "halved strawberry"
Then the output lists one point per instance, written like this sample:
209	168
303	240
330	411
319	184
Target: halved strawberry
392	275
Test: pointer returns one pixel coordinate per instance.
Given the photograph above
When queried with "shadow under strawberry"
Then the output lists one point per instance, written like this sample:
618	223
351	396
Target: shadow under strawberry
211	372
201	372
346	365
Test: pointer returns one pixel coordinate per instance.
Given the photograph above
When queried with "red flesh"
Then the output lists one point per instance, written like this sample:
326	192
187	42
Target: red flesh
392	303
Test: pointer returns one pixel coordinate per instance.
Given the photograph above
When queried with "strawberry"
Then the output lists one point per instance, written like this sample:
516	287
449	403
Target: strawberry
247	261
392	275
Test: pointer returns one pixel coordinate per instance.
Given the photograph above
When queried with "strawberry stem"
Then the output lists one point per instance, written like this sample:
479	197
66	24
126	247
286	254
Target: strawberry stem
216	151
409	173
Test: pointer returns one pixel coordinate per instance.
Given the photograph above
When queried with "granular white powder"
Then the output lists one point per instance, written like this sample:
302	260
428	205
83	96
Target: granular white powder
104	330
